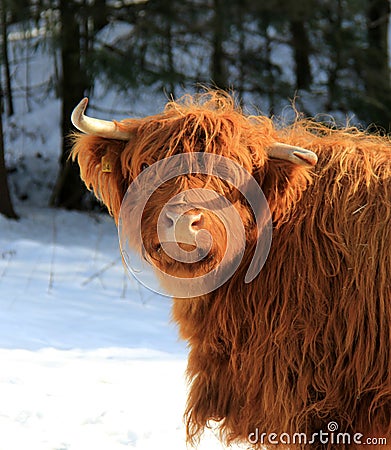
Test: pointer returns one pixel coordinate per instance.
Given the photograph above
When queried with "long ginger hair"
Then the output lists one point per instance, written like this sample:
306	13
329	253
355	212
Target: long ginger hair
309	340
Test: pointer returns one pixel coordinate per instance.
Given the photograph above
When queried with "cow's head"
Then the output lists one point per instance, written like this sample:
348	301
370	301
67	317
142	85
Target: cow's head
177	219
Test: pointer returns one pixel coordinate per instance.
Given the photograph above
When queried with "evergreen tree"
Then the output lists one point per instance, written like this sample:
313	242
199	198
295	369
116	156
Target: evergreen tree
69	190
6	206
5	58
376	74
265	51
79	23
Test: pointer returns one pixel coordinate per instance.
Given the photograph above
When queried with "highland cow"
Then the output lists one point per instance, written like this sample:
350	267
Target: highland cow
303	351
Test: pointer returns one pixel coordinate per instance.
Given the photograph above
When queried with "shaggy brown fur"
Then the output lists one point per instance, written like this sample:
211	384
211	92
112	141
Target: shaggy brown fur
309	340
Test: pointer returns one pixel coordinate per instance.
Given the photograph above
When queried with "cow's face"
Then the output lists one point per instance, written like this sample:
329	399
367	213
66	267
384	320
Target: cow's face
186	180
190	222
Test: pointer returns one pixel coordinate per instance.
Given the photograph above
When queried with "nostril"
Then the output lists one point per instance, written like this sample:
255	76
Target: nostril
170	218
197	221
169	221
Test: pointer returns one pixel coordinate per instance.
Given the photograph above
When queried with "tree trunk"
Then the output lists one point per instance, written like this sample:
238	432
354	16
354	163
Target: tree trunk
336	62
218	69
170	57
377	72
242	49
5	58
301	49
99	14
69	190
6	207
377	25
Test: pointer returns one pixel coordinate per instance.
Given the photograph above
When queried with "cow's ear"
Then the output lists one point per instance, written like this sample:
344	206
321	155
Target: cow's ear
99	160
284	178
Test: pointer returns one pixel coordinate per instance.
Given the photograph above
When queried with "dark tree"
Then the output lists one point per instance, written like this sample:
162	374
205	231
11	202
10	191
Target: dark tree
6	207
5	57
336	37
377	71
69	190
301	48
218	61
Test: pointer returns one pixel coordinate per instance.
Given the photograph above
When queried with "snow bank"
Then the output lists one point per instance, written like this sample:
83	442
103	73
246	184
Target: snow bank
89	359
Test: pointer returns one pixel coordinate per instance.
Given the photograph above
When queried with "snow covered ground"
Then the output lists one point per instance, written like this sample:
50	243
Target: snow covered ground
89	359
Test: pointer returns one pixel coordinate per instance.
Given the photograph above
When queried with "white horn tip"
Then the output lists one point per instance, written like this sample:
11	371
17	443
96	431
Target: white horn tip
309	158
78	112
296	155
84	102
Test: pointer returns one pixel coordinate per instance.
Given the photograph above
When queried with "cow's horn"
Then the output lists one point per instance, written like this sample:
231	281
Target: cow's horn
96	127
293	154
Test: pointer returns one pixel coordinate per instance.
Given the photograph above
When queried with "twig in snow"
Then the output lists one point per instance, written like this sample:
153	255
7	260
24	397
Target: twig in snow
7	255
52	260
99	272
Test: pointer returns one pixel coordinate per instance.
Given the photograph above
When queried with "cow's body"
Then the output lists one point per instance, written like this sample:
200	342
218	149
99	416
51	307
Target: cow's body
308	342
311	343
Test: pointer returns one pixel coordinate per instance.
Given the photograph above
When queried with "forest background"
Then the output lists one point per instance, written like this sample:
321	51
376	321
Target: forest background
326	56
